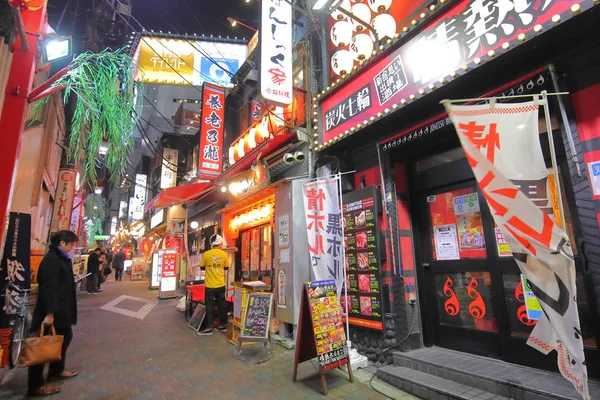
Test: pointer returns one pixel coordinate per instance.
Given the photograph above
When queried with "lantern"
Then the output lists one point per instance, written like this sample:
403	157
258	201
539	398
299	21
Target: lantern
342	62
363	12
337	15
341	34
252	138
361	46
263	129
384	25
240	148
232	155
379	6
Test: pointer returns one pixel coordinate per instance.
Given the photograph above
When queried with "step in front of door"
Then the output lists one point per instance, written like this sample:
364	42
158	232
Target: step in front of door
493	376
430	387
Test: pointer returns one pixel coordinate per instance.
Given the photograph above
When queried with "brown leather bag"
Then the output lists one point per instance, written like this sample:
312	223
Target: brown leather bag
42	349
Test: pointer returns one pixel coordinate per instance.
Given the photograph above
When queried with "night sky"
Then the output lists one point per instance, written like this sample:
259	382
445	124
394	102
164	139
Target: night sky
208	17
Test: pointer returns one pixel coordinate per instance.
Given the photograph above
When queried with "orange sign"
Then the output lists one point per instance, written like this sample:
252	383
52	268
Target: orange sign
165	61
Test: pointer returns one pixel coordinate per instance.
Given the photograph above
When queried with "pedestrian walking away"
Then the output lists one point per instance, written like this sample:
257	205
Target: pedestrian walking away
93	267
215	262
119	265
56	305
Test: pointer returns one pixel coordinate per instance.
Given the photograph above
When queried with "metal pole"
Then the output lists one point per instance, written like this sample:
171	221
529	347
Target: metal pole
341	200
565	120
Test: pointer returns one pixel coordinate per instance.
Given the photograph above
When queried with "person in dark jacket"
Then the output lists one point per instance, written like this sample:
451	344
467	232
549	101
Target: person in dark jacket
93	267
56	305
119	264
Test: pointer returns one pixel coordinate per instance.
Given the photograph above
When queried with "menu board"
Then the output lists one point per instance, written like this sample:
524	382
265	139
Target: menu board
362	259
328	326
258	316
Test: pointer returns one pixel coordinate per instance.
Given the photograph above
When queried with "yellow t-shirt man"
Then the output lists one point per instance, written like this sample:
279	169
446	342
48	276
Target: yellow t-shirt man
215	261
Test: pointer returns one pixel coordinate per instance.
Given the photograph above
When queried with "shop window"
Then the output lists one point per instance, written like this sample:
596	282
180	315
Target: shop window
265	254
245	251
457	225
254	249
465	300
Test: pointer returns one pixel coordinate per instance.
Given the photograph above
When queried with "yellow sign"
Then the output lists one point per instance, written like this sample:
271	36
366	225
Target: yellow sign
165	61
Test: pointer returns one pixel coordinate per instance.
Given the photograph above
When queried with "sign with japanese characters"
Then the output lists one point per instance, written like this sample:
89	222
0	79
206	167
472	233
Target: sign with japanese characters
187	62
501	142
77	213
168	175
362	260
356	103
16	261
168	280
211	132
63	201
276	72
466	31
324	229
139	196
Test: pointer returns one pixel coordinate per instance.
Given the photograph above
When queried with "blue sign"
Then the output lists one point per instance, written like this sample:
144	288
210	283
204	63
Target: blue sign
218	71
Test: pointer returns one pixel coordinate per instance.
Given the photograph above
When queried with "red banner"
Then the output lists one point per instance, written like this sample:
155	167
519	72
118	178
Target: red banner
211	132
467	31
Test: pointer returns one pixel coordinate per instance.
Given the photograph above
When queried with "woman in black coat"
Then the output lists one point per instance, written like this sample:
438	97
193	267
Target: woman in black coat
56	305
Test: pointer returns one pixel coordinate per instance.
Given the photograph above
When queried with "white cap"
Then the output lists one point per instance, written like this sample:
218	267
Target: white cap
216	240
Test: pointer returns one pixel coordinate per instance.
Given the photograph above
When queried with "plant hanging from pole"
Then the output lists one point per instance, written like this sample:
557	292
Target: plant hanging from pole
95	211
108	106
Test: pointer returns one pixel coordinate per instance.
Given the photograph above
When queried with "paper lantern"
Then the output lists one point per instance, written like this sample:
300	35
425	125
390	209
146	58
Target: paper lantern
363	12
252	138
263	129
337	15
384	25
342	62
341	34
240	148
379	6
232	158
361	46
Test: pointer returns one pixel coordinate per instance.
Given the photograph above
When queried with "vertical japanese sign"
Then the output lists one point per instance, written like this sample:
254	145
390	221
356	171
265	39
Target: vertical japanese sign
276	72
168	176
131	208
122	209
15	266
63	201
211	131
139	194
324	229
501	142
77	214
364	300
113	224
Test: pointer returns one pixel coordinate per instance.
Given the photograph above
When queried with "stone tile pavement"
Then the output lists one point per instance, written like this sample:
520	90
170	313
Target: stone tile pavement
121	356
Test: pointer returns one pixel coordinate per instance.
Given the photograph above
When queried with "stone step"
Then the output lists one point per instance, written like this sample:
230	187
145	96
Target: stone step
430	387
493	376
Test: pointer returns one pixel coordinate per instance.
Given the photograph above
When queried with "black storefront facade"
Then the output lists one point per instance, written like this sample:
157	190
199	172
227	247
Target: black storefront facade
408	147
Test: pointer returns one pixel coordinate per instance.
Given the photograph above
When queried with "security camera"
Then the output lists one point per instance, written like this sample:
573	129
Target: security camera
299	157
289	159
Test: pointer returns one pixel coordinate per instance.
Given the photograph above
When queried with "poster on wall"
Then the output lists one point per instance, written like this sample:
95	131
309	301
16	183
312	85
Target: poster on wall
364	301
63	204
469	222
446	242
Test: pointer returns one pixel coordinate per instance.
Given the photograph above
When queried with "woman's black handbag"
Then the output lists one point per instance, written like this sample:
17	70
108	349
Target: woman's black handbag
107	271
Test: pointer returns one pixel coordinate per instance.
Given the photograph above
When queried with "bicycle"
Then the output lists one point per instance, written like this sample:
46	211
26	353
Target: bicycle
17	308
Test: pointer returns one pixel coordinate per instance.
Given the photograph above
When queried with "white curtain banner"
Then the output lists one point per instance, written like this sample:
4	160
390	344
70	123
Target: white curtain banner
324	229
501	142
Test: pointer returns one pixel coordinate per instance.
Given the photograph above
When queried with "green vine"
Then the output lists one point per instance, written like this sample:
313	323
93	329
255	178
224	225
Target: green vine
96	211
107	110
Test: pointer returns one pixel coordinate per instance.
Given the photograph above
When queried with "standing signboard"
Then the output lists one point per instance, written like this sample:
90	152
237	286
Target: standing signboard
257	319
321	330
63	201
211	131
15	262
362	259
168	274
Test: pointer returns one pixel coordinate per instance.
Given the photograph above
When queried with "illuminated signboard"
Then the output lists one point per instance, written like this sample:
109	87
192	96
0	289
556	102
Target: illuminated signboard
139	194
276	52
168	174
157	218
211	132
181	62
113	225
456	38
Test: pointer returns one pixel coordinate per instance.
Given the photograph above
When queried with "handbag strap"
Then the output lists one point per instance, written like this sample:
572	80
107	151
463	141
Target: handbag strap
52	330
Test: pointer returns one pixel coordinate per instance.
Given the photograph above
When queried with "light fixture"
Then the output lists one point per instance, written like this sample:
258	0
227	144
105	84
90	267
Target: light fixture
98	190
194	225
56	47
235	22
223	189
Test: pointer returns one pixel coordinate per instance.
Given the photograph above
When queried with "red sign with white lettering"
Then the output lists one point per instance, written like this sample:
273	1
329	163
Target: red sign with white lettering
211	132
169	265
465	32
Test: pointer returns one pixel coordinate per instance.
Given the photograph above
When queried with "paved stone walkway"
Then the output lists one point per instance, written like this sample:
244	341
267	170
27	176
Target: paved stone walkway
122	356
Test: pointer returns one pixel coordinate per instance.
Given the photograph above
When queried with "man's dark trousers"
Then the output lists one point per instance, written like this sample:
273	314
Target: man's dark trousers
217	295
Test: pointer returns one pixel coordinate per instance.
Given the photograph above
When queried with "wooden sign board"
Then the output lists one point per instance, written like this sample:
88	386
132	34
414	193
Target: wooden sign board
197	317
321	330
255	326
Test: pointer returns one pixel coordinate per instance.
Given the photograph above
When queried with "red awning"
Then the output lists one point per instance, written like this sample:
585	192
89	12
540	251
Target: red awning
265	148
180	195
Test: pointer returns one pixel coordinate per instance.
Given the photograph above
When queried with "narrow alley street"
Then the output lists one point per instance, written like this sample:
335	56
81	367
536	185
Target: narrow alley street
158	357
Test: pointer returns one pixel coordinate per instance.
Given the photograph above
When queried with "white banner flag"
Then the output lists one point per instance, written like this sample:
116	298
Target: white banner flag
501	142
324	229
